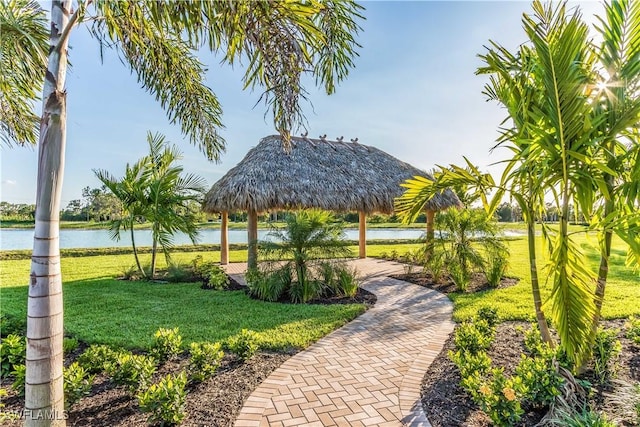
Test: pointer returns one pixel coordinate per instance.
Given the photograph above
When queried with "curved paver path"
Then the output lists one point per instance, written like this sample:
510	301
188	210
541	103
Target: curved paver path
367	373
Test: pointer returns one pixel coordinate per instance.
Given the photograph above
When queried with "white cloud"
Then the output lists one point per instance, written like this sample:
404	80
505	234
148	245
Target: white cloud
9	181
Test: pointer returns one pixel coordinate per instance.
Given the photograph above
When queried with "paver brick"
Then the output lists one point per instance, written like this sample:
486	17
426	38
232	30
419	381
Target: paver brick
366	373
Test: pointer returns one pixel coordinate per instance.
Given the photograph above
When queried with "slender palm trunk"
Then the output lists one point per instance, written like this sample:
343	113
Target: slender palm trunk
135	250
605	252
154	251
44	396
535	284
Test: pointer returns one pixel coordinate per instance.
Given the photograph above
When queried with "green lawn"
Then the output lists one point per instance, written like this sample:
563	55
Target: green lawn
99	309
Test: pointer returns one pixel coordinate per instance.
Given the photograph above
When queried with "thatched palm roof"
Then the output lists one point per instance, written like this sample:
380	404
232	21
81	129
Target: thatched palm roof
316	173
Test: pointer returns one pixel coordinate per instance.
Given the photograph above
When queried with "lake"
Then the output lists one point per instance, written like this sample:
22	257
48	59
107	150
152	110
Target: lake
12	239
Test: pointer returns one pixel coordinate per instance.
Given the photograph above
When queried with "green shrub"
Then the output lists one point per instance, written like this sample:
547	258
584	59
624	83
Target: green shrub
305	291
97	358
215	278
13	352
470	364
131	370
540	377
12	325
633	329
69	345
347	281
77	384
204	360
269	286
19	374
244	344
496	264
498	396
460	276
471	338
178	273
490	315
583	418
436	265
329	276
533	340
131	273
167	344
165	401
201	267
606	350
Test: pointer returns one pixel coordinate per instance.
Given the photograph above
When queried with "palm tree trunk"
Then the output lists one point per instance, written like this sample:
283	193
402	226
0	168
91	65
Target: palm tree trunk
135	250
154	251
44	395
535	284
605	252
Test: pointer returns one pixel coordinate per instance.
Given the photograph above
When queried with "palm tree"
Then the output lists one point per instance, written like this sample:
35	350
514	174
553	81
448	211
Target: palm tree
280	41
23	59
568	120
168	194
130	191
308	235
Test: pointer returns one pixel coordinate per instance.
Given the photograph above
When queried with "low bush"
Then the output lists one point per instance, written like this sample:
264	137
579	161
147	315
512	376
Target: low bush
470	364
533	340
178	273
498	396
633	329
269	286
496	265
165	401
69	345
19	374
540	377
167	344
215	278
97	358
77	384
347	281
305	291
436	264
489	315
245	344
460	276
606	350
204	359
472	337
13	352
131	370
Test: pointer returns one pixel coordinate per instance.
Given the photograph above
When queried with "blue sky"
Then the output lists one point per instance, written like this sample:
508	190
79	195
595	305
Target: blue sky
413	94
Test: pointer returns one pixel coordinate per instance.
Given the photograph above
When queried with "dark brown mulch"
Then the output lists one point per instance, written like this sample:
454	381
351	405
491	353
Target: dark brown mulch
446	286
215	402
362	296
447	405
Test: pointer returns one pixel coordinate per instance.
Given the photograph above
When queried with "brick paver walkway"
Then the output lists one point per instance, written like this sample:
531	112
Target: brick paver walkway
367	373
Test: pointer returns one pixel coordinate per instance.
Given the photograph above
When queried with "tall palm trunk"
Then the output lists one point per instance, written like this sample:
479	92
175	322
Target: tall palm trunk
154	252
605	252
44	395
135	250
535	284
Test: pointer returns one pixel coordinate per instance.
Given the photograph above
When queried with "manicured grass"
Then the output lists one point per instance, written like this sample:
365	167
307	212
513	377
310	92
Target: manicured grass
622	298
100	309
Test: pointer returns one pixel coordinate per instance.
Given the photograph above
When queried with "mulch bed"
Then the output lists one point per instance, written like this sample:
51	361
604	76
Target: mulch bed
215	402
447	404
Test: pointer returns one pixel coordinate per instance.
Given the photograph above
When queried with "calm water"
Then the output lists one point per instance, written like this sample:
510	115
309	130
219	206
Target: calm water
11	239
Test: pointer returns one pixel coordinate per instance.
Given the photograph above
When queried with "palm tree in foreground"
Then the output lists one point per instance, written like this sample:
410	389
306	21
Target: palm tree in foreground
279	40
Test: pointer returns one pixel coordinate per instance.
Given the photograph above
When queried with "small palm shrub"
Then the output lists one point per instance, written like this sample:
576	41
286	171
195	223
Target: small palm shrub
496	265
19	374
97	358
77	384
606	350
167	344
347	281
436	264
131	370
245	344
633	329
165	401
204	360
13	352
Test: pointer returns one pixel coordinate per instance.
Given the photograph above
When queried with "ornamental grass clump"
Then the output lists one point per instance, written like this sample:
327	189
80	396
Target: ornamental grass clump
606	350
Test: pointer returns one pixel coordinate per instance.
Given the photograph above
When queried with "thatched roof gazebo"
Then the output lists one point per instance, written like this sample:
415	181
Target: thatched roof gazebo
316	173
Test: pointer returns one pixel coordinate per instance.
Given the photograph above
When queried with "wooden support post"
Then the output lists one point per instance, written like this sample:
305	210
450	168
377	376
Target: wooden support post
363	234
430	233
252	231
224	239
